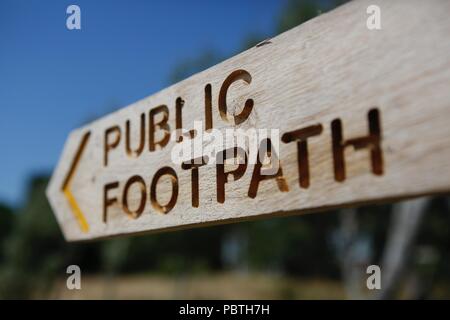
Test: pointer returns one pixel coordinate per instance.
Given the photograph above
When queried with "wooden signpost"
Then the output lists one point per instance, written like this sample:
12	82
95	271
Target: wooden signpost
355	116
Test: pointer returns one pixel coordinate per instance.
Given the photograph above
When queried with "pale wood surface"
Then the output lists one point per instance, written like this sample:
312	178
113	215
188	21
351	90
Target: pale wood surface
330	67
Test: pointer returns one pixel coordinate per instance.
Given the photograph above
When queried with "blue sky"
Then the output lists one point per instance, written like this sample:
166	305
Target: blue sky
53	79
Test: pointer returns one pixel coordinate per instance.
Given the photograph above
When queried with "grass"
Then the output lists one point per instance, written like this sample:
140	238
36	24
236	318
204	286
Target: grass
208	286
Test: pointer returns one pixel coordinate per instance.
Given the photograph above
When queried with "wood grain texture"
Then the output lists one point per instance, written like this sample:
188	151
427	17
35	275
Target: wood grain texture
331	67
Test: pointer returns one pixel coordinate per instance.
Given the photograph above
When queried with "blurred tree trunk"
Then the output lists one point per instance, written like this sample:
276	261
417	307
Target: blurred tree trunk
351	273
405	221
355	254
406	217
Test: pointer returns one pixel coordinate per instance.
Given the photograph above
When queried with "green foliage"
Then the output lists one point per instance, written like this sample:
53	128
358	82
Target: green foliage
293	245
298	11
174	252
34	250
193	65
434	235
31	246
7	220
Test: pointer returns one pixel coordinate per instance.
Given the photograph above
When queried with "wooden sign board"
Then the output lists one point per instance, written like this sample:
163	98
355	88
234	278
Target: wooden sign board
355	116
